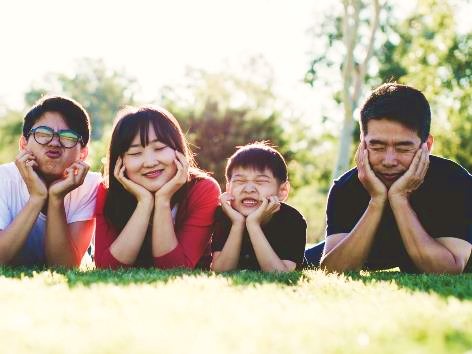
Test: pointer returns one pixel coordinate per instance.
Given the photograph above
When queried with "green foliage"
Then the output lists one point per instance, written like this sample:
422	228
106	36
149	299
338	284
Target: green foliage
100	90
428	53
10	131
223	112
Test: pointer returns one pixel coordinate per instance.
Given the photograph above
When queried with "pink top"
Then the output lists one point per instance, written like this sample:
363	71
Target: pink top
193	231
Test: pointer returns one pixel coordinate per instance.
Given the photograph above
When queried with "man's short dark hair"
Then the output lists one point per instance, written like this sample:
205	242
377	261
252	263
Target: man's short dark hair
400	103
258	156
73	113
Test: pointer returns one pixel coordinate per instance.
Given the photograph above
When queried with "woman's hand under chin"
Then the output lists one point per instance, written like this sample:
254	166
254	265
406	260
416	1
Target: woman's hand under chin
165	193
141	194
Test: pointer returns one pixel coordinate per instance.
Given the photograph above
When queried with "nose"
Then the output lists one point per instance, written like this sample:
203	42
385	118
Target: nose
150	159
249	187
390	158
55	140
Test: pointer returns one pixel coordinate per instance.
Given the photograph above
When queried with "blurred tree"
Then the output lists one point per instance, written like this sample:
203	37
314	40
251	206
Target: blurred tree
220	111
421	48
356	29
427	52
10	130
100	90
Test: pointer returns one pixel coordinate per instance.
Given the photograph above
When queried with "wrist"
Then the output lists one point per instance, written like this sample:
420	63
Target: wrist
398	200
55	199
146	203
238	222
37	200
378	202
250	223
161	202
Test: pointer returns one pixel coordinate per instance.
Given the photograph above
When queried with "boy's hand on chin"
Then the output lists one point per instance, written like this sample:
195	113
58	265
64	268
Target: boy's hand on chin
74	176
234	215
26	163
261	215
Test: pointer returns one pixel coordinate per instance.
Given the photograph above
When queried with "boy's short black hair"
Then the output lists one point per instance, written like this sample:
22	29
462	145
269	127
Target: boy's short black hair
399	103
73	113
259	156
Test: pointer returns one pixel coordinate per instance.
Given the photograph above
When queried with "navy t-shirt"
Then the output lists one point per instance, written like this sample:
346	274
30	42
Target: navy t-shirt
285	232
443	204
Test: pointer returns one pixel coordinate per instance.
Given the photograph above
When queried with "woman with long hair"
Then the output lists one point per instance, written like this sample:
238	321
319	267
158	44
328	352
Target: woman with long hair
157	208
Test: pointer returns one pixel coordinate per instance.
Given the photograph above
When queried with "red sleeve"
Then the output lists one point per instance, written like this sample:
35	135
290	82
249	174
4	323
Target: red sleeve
105	234
194	232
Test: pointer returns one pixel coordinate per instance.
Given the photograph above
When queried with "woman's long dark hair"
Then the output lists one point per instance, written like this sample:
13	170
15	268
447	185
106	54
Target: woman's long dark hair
119	203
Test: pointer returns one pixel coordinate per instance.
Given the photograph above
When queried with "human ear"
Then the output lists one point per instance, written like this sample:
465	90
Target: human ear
22	142
429	142
284	189
83	153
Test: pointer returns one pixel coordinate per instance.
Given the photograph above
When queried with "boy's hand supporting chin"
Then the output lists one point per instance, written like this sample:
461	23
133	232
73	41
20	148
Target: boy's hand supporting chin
235	216
261	215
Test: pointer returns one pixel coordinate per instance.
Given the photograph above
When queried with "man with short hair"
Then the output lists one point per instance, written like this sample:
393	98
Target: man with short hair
47	196
400	207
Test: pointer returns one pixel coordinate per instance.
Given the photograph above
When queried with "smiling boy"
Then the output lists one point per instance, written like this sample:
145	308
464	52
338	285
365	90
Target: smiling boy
401	206
47	196
254	228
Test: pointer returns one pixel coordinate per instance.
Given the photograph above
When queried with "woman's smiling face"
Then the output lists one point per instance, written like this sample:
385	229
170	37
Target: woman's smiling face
150	166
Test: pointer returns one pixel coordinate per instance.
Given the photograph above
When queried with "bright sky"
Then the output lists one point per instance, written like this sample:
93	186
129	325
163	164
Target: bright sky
155	41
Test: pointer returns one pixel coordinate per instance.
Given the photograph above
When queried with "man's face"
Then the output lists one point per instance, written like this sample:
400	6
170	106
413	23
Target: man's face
249	186
52	158
391	147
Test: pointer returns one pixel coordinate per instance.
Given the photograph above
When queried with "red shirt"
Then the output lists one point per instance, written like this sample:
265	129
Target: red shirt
193	229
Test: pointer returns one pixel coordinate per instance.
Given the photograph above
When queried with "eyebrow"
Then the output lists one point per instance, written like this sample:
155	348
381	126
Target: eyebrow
138	145
258	176
400	143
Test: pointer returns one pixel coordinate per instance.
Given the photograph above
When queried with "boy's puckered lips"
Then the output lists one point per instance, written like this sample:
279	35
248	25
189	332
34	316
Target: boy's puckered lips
53	153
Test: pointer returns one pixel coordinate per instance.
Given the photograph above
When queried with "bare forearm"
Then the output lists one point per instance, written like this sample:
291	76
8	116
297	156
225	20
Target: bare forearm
127	245
268	260
228	258
59	249
164	239
15	235
352	251
429	255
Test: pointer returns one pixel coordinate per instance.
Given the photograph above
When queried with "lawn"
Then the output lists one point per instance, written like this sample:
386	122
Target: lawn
149	311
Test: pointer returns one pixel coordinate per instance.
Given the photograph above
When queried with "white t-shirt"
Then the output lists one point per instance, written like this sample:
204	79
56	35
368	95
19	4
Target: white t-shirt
79	206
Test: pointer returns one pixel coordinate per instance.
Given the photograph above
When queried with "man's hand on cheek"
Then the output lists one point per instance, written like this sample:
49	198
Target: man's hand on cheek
413	177
268	207
26	163
374	186
74	176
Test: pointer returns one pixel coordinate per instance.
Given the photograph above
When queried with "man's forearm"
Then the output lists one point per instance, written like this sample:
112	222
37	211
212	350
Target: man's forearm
59	248
352	251
429	255
15	235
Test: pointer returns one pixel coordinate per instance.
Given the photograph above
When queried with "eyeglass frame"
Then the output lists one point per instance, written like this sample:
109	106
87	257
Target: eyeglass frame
55	133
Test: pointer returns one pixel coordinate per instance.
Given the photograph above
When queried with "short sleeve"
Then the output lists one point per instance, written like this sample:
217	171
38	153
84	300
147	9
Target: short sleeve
221	228
83	199
335	221
5	213
294	239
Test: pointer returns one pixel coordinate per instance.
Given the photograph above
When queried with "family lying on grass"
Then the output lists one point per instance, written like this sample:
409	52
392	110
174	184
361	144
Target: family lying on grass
400	207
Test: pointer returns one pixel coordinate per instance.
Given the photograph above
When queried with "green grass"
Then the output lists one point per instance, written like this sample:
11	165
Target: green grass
149	311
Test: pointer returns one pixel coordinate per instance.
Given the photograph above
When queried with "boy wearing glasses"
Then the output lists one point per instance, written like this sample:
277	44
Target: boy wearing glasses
47	196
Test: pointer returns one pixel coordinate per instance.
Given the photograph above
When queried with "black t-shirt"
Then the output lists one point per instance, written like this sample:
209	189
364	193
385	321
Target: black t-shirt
285	232
443	204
